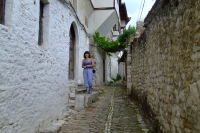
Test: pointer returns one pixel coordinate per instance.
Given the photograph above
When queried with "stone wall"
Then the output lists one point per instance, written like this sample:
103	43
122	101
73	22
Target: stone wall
166	66
139	28
33	78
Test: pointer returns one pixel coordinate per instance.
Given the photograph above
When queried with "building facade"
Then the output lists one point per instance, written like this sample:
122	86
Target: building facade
111	18
42	45
41	51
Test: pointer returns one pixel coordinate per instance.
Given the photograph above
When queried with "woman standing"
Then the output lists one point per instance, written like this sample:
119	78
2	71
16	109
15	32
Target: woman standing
87	64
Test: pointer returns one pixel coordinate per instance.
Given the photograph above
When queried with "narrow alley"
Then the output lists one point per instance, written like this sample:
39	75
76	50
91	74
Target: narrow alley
156	58
113	112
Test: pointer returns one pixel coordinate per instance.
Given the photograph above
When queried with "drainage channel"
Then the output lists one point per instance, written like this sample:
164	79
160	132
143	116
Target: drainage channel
109	118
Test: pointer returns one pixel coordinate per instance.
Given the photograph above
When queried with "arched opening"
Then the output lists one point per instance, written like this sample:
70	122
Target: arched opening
72	52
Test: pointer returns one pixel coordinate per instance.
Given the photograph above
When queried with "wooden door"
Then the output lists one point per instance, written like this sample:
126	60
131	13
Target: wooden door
71	53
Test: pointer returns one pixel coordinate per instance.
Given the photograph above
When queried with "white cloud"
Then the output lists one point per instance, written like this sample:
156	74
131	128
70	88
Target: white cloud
133	8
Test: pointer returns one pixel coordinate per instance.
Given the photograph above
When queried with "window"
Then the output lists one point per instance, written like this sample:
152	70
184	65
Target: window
43	31
2	11
40	36
115	27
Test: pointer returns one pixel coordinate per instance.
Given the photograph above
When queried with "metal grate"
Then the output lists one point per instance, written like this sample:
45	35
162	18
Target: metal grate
2	11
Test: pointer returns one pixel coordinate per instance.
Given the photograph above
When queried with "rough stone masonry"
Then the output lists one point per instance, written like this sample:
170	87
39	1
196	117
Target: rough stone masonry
165	65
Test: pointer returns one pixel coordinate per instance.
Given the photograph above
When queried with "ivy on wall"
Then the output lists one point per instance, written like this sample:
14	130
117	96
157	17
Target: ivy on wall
114	46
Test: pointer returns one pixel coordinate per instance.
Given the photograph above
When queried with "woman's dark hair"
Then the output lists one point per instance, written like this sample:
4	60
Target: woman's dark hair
86	52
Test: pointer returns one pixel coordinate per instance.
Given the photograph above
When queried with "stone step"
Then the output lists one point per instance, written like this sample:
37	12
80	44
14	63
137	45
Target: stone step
80	91
90	98
73	83
72	95
52	128
71	89
71	101
79	102
84	100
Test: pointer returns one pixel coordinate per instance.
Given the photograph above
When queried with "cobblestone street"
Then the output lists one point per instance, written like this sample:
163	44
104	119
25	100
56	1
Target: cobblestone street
111	113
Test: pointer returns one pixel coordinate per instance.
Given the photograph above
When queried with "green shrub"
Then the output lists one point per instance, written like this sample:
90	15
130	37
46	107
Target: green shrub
118	77
124	78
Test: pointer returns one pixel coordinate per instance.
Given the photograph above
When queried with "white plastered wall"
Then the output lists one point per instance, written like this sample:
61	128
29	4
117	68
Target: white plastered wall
33	78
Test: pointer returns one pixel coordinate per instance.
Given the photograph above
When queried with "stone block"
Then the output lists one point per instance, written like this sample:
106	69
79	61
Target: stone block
129	59
72	96
195	56
72	101
80	102
129	85
52	128
196	48
129	76
72	89
197	36
129	67
90	98
128	80
129	71
198	84
71	85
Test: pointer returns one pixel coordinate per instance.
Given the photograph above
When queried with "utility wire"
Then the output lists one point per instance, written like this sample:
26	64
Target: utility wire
139	10
142	10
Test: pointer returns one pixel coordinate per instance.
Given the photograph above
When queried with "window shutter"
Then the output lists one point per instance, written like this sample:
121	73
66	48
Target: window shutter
2	8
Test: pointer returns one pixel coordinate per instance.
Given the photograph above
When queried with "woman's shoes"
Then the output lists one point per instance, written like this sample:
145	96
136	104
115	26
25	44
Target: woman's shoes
89	92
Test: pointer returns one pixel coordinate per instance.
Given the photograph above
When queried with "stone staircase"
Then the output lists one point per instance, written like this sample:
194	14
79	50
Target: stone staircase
78	101
72	86
77	97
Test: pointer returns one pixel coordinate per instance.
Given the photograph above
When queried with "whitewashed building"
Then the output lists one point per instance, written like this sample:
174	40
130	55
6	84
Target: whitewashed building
109	18
41	49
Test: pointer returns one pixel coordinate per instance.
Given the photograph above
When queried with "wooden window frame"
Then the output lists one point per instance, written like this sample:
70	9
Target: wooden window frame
2	11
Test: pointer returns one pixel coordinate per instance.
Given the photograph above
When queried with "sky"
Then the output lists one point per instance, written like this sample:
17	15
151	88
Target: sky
134	10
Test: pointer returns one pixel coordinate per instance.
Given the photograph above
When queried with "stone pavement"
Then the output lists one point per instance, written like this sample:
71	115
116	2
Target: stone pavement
113	112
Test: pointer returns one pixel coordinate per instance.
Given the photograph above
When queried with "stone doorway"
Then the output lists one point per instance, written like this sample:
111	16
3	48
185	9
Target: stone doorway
71	52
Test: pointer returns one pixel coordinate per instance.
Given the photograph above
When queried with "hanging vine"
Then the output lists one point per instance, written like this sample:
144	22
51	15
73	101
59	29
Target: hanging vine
111	45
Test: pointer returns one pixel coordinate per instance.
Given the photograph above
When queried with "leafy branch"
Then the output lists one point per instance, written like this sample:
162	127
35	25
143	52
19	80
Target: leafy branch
111	45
